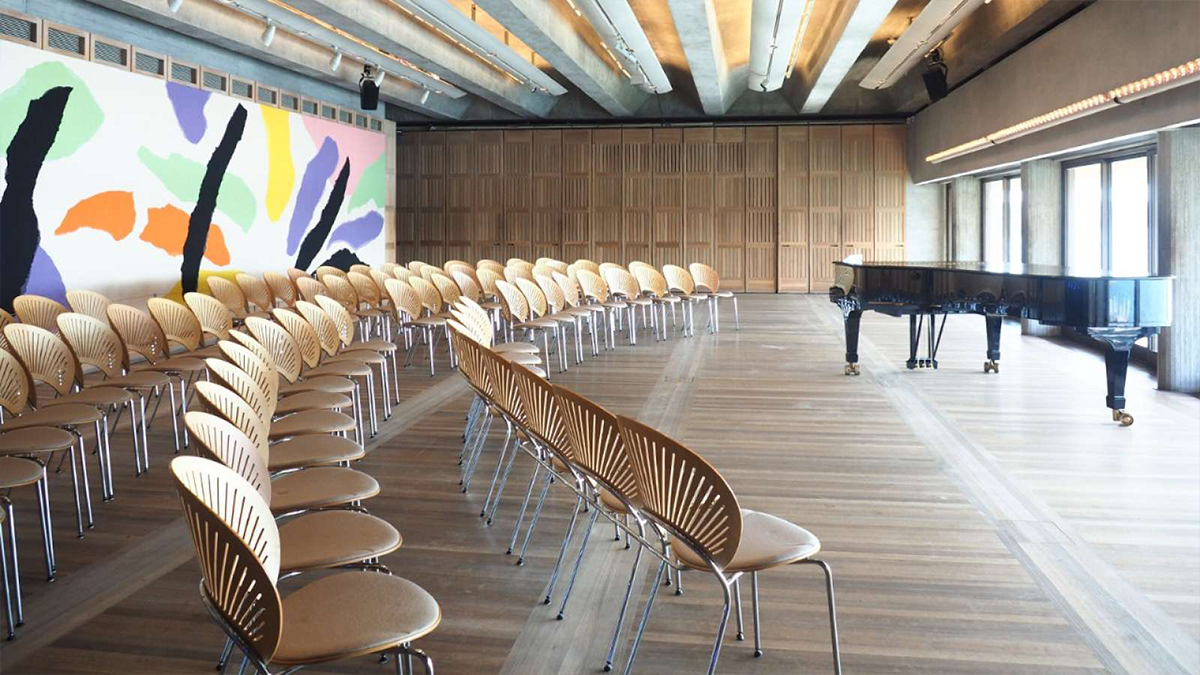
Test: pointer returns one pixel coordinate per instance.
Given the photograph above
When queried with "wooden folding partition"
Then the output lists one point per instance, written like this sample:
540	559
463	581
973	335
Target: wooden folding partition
770	207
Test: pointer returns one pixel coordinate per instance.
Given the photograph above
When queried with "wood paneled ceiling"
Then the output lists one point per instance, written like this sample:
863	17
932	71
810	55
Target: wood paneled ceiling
490	61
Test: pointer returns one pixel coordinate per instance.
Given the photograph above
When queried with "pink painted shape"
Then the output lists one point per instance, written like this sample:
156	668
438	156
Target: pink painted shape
361	146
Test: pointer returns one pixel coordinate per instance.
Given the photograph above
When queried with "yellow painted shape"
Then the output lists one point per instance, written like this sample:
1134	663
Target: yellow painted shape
281	173
176	292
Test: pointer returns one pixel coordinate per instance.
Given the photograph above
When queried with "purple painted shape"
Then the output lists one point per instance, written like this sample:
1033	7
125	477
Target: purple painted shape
357	232
312	186
44	278
188	104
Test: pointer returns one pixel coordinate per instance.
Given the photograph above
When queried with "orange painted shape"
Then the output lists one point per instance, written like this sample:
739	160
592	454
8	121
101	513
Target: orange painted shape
110	212
166	228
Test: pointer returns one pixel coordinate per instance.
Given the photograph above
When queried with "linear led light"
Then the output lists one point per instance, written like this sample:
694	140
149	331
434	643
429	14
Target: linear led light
930	27
1146	86
616	24
770	30
808	10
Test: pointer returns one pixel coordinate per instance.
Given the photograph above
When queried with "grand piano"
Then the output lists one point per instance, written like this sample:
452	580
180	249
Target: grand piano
1115	309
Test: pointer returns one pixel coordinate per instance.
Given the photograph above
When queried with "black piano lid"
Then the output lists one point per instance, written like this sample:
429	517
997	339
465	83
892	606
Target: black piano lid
1014	269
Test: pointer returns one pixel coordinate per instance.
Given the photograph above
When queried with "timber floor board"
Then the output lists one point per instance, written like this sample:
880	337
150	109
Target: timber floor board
975	523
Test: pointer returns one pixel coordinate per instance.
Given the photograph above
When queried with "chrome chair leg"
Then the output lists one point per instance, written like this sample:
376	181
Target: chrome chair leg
833	632
516	450
499	465
737	321
10	625
716	653
16	565
612	648
537	511
512	543
562	551
758	652
737	600
641	629
587	536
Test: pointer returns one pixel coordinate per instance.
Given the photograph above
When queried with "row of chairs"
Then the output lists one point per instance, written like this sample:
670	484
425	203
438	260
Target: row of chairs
661	494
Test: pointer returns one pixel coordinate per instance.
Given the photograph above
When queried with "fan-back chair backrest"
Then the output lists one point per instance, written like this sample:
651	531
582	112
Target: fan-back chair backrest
94	343
651	281
388	268
341	290
515	306
633	265
231	407
310	288
236	380
263	374
222	442
488	264
212	314
684	492
247	340
89	302
328	270
177	322
605	266
593	286
5	319
256	291
476	320
15	388
228	293
678	279
514	272
38	311
446	287
553	294
621	282
358	268
518	262
543	415
282	287
597	442
570	289
430	298
453	263
342	320
467	285
237	546
469	361
295	273
46	358
402	273
327	332
705	277
304	336
554	265
379	278
404	298
540	270
534	296
364	287
415	266
504	385
140	334
279	342
487	281
585	264
428	271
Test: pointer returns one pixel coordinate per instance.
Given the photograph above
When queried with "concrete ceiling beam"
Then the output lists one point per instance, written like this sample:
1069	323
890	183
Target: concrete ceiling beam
696	24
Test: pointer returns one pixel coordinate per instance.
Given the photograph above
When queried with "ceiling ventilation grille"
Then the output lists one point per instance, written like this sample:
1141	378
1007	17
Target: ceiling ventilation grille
149	64
17	28
214	80
181	72
65	41
110	53
241	88
267	95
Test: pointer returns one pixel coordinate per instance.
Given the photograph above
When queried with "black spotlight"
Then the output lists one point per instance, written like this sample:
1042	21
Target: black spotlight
935	76
368	91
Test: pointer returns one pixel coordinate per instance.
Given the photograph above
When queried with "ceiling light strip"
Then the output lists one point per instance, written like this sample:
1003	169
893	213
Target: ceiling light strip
1146	86
930	27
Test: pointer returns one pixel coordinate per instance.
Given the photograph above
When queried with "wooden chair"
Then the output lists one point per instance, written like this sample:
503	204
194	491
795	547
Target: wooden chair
310	288
214	316
266	378
180	326
585	264
489	264
327	270
708	282
359	268
475	319
514	272
256	291
468	285
16	392
5	319
573	298
294	274
687	498
679	282
541	307
384	348
449	264
90	303
282	287
624	287
38	311
17	472
653	286
230	295
518	317
344	615
49	361
329	341
408	305
402	273
596	291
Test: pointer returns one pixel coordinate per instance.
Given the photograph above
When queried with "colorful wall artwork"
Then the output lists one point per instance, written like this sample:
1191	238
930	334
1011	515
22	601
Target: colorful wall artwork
133	186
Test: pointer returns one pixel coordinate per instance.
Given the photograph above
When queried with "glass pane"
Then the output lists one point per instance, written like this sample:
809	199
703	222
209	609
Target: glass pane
1130	216
993	221
1014	220
1083	216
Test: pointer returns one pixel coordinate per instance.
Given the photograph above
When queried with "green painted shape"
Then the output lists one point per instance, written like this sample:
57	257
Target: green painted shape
182	177
81	118
372	185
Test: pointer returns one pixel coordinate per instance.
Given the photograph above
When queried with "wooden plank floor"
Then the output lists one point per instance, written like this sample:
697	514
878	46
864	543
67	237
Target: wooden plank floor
975	523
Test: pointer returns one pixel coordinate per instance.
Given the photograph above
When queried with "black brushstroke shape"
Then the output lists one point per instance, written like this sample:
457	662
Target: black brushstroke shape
343	260
316	237
206	202
19	235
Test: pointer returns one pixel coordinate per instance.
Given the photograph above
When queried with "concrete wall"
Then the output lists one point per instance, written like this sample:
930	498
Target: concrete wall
1108	44
925	222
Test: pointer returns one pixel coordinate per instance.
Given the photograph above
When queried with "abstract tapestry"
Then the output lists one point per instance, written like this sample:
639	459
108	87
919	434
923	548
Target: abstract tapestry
134	186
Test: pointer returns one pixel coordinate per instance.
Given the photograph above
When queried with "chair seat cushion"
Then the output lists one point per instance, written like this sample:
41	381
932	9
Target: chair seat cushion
767	541
312	400
16	471
723	294
357	356
63	415
321	487
34	439
310	422
669	299
639	301
96	396
352	614
537	323
616	305
516	347
328	383
430	321
377	345
334	538
342	368
304	451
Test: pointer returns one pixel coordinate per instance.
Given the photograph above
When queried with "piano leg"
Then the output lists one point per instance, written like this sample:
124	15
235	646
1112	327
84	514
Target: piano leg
1116	364
992	365
914	339
852	318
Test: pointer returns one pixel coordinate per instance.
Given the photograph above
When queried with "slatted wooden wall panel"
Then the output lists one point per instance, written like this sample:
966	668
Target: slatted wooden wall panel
547	194
771	208
607	194
639	185
577	194
431	212
825	203
793	208
667	161
698	199
762	207
890	180
460	195
518	211
489	196
729	154
408	173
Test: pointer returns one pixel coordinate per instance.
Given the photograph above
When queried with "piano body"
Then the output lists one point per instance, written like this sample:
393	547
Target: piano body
1110	307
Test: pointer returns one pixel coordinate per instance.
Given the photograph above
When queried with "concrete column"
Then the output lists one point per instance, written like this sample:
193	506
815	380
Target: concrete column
1178	174
390	224
965	219
925	222
1041	218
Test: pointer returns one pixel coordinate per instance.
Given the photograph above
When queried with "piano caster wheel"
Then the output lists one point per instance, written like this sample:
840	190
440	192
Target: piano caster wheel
991	366
1123	417
852	369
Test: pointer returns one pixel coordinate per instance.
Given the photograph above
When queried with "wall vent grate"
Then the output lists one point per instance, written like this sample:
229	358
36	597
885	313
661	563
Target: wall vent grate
148	63
329	112
181	72
288	101
213	80
266	95
241	88
110	53
64	41
309	107
21	29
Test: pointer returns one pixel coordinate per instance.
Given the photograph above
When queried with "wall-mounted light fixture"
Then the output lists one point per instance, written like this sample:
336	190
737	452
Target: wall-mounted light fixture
268	34
335	61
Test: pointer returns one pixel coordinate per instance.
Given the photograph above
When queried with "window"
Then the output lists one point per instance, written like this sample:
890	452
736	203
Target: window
1002	220
1108	214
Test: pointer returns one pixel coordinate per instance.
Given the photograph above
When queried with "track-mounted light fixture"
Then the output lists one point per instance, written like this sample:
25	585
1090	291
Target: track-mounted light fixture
268	34
336	61
174	5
